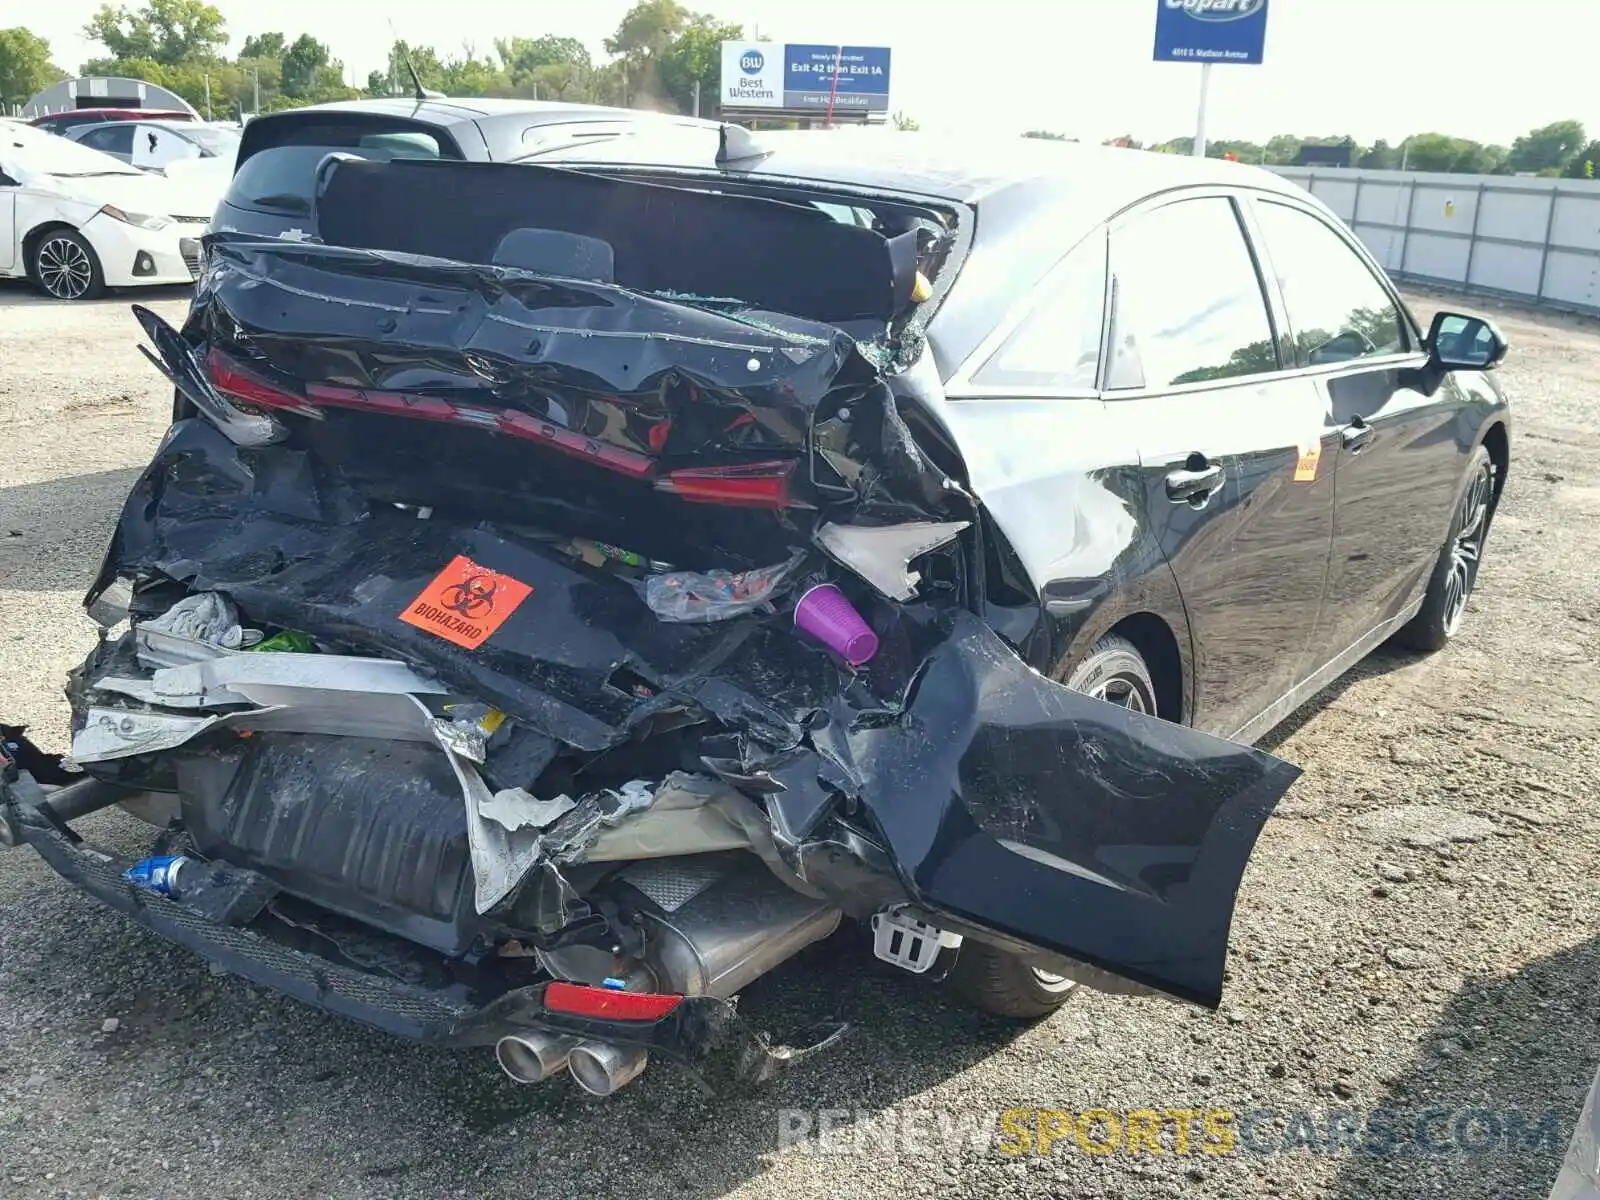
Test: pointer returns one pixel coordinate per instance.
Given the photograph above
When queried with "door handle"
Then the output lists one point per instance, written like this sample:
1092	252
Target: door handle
1356	435
1184	487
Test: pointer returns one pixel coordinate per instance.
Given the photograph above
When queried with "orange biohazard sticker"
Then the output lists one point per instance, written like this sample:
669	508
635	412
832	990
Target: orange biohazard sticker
1305	468
466	603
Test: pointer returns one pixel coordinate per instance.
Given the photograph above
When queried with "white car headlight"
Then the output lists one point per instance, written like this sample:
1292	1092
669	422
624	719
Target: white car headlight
142	220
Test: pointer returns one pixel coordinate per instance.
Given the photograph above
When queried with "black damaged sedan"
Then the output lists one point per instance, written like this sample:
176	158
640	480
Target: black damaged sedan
567	591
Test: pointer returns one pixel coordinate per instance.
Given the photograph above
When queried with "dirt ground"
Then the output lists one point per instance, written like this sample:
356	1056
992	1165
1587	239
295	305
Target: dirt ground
1416	936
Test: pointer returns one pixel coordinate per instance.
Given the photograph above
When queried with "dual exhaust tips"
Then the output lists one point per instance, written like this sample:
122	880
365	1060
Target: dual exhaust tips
598	1067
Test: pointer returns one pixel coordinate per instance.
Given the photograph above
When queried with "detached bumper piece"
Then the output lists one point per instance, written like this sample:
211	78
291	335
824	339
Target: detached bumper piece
701	1033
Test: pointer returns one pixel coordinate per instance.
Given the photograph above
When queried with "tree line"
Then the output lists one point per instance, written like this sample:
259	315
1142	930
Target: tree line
1561	148
657	56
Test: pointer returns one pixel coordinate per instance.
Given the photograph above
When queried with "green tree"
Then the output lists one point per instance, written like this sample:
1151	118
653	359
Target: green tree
429	69
695	56
25	66
301	63
1432	151
1550	147
1382	156
1245	152
905	122
521	57
264	45
1282	148
167	32
1046	135
645	33
1585	162
470	76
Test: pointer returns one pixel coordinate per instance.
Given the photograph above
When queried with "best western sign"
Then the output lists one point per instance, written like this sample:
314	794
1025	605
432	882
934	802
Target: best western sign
805	78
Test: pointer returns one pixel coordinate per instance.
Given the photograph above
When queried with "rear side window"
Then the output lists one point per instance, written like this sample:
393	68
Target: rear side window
1337	307
1189	305
113	139
1057	346
278	167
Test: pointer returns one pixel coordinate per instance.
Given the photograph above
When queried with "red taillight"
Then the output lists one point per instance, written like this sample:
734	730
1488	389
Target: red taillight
754	485
606	1003
234	382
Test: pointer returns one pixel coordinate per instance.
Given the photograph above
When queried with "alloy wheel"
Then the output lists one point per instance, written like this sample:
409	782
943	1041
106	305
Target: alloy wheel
1125	691
65	270
1467	547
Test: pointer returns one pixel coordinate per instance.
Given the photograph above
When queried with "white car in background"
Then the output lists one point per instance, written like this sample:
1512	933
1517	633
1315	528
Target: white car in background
76	221
156	145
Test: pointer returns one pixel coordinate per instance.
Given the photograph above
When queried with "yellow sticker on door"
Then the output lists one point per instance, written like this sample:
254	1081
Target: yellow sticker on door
1305	468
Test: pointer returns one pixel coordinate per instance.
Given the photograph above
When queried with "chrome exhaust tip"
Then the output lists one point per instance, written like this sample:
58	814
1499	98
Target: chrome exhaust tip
601	1068
534	1056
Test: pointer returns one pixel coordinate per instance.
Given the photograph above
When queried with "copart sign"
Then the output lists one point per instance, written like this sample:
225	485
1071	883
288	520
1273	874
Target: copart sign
1204	31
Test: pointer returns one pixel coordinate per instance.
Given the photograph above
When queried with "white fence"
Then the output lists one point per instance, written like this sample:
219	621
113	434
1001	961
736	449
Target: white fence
1535	240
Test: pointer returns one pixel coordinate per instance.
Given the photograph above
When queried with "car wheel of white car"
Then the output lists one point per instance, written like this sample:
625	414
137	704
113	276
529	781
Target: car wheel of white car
66	267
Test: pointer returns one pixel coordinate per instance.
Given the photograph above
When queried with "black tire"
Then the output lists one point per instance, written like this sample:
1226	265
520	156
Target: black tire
1115	671
1000	982
1003	984
1445	602
65	267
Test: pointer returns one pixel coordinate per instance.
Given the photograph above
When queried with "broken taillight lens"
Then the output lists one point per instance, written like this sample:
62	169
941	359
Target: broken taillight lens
608	1004
751	485
237	384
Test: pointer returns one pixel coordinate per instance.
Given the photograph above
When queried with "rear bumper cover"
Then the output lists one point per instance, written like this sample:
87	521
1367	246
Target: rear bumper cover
704	1034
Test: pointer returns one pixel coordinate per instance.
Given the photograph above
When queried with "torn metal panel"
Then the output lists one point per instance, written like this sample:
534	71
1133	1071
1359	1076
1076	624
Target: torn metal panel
1069	824
282	678
111	733
517	808
500	857
882	554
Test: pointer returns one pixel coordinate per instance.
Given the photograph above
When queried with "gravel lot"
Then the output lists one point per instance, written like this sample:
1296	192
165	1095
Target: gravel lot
1418	926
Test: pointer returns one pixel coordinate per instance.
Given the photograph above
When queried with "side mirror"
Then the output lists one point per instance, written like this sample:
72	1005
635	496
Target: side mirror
1457	342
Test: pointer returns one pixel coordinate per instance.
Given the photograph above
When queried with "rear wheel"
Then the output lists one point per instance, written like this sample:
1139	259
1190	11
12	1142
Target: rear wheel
66	267
1003	983
1454	575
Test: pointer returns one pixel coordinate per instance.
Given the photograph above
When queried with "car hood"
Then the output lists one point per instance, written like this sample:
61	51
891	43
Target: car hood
141	193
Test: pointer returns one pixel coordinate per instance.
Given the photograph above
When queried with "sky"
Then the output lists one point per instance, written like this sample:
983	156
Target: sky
1485	69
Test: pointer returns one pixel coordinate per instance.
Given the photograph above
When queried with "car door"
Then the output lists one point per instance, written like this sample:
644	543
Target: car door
115	139
1235	452
9	234
1398	462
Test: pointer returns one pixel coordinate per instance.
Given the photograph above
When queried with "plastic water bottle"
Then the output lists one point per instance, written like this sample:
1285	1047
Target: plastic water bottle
159	873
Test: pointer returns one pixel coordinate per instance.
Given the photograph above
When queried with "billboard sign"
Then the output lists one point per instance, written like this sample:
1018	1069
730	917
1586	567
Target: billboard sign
1210	31
752	75
805	78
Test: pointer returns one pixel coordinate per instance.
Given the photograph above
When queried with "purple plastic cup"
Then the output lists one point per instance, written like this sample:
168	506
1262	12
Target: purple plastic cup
826	614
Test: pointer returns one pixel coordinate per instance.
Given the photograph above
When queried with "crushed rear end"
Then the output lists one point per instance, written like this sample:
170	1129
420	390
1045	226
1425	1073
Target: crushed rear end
548	622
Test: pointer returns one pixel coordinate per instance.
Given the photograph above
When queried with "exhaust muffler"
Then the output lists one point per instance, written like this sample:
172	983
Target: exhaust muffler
601	1068
533	1056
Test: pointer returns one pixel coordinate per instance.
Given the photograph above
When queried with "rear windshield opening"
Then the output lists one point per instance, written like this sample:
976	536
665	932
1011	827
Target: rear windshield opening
278	161
862	266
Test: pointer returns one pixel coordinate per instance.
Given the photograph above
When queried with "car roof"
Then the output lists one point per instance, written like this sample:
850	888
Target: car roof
455	110
168	114
955	169
1033	199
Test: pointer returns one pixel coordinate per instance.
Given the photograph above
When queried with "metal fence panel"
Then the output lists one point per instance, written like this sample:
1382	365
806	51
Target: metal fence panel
1531	239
